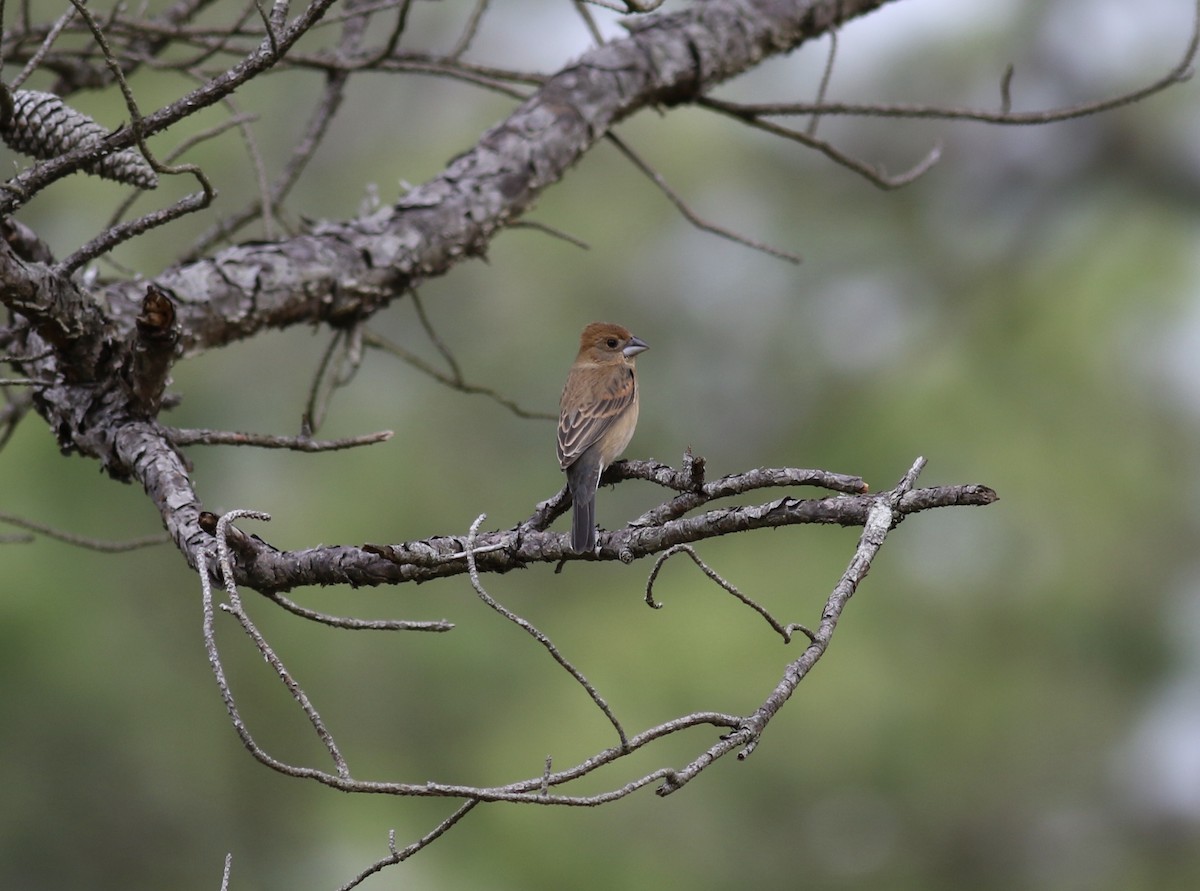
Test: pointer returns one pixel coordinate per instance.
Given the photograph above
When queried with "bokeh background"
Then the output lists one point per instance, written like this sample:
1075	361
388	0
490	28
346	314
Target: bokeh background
1012	699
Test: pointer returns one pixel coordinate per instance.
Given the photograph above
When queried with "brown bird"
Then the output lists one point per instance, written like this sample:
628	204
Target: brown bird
597	415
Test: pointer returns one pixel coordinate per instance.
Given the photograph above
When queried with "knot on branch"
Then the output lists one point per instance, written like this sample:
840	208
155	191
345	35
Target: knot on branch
152	347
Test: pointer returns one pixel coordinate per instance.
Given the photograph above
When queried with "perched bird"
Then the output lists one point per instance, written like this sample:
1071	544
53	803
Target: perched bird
597	414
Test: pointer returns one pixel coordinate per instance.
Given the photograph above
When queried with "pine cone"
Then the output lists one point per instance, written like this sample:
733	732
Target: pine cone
42	125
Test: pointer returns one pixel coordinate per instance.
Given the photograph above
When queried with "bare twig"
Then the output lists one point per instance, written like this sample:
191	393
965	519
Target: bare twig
104	546
186	436
434	339
882	517
122	232
690	215
318	126
874	174
397	856
226	871
550	230
826	77
114	67
1179	73
264	202
530	629
1006	90
388	47
331	375
454	381
353	624
36	59
784	631
469	29
178	151
589	22
235	608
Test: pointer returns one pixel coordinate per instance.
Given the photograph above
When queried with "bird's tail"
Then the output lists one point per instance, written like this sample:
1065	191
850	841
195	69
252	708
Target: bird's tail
583	523
583	477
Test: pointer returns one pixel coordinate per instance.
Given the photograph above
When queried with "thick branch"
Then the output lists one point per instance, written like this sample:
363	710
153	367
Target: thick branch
264	568
341	271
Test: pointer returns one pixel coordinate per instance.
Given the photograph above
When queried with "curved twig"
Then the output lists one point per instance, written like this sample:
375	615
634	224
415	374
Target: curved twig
784	631
235	608
532	630
82	541
454	380
690	215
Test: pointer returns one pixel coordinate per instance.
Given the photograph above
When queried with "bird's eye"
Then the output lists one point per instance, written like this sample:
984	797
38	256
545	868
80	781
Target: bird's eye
612	343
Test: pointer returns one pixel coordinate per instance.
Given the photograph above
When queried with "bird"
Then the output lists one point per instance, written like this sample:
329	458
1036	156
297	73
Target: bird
597	416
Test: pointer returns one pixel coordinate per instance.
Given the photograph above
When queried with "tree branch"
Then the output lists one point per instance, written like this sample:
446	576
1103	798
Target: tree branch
343	270
266	569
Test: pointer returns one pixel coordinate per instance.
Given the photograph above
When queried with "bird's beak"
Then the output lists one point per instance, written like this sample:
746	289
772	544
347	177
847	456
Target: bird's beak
636	345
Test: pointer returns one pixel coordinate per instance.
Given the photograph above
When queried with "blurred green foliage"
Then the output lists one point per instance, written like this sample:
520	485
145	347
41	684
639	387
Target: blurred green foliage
1011	698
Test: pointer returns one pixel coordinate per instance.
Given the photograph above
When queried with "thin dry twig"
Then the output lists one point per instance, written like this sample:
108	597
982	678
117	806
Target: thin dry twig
453	381
114	67
104	546
36	59
331	375
551	231
690	215
388	47
753	114
200	436
826	77
122	232
264	202
398	856
880	521
589	22
470	29
237	610
353	624
1180	72
784	631
115	235
178	151
532	630
875	174
1006	89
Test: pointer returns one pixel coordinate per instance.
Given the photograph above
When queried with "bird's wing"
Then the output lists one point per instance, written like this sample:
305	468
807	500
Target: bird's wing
580	428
